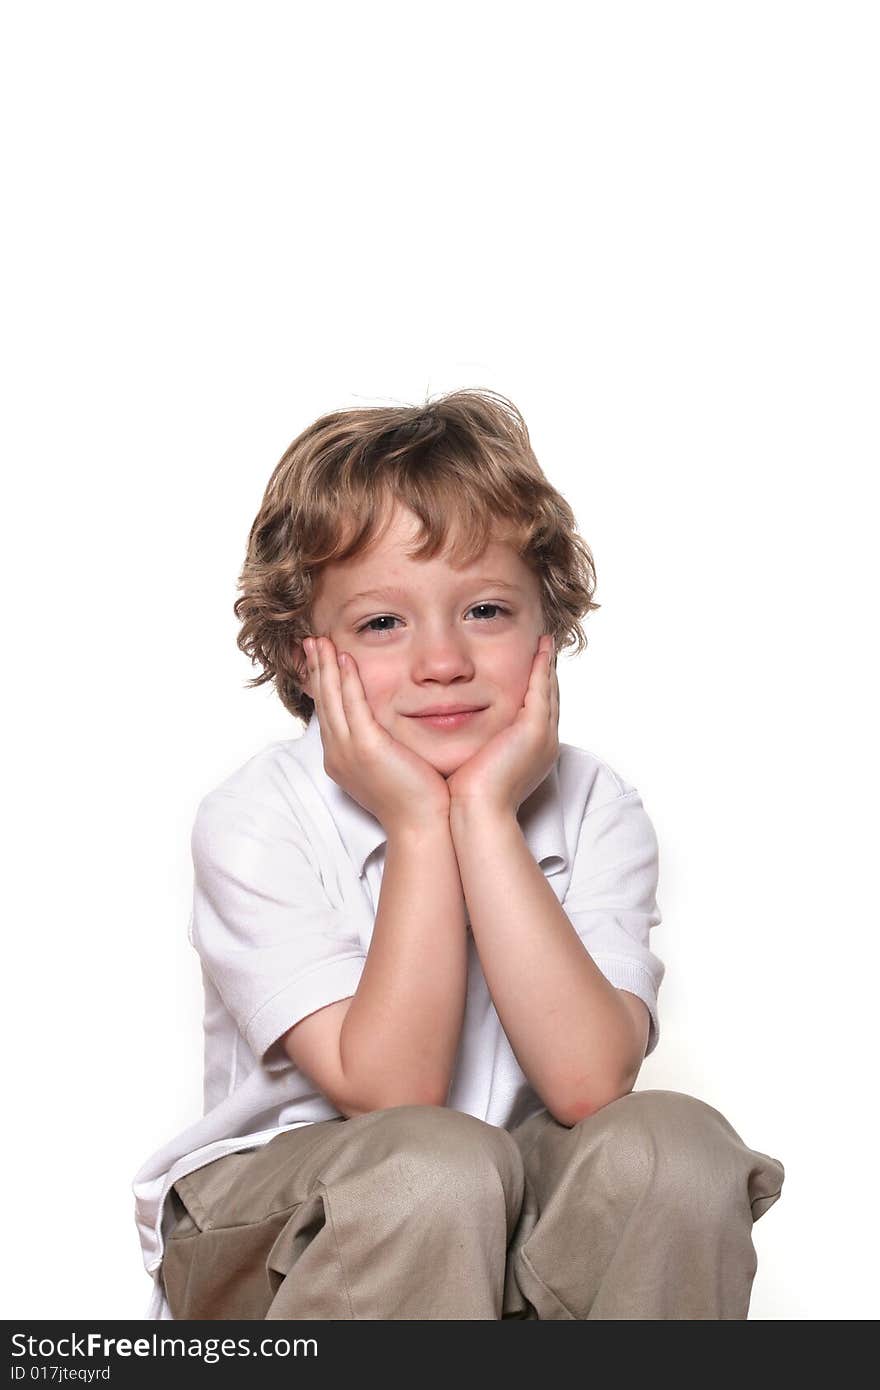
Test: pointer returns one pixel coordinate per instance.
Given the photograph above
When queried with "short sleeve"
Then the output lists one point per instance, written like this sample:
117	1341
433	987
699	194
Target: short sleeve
273	944
611	898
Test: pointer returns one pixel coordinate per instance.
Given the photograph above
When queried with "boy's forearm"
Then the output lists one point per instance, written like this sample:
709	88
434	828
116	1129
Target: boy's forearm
400	1036
566	1022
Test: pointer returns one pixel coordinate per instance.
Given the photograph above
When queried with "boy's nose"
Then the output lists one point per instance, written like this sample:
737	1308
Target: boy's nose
442	653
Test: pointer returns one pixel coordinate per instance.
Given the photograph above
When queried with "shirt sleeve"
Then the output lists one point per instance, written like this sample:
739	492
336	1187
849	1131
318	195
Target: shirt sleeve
269	938
611	898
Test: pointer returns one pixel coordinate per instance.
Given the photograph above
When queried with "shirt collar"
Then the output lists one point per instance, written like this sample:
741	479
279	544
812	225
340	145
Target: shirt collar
540	815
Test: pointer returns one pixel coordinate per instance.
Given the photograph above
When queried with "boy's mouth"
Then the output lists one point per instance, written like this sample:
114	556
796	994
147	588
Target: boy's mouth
453	717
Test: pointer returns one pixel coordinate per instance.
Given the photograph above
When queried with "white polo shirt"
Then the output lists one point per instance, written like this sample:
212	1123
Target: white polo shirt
287	873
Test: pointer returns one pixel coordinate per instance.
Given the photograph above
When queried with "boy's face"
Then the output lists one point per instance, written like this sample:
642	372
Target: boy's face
443	637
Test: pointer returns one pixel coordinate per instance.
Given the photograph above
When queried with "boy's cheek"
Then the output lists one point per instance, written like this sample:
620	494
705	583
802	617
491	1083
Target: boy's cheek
380	696
382	709
516	698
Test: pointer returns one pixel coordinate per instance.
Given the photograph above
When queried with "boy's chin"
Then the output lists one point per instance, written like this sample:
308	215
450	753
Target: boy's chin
447	768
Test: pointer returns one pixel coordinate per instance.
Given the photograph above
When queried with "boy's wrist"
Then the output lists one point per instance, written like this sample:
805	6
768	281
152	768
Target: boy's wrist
419	832
465	813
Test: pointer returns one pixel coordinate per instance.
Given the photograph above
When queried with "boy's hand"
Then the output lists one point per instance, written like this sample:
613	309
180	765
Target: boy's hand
400	788
511	765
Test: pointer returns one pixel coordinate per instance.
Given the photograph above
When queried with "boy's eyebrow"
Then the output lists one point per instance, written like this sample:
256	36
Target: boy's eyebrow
394	590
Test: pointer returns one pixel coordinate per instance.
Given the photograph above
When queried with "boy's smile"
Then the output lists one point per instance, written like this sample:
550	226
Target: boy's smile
434	638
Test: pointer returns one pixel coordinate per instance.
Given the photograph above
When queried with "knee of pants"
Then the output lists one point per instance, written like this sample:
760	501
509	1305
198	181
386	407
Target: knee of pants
451	1155
681	1144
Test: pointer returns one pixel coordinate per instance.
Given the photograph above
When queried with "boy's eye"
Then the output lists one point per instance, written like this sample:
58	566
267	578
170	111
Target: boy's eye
368	627
386	617
496	608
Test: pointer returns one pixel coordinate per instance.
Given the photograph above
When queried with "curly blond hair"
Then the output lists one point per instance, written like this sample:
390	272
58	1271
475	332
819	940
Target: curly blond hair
462	463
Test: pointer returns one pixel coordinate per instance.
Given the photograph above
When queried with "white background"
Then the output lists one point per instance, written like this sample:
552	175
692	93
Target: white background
655	228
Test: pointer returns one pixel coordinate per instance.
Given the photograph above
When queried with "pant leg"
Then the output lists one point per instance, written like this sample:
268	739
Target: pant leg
642	1210
397	1214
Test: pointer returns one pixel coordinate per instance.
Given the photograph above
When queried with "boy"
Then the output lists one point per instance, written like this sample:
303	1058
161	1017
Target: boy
424	931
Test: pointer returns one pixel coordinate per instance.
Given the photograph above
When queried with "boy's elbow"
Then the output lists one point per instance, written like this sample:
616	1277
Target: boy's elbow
363	1100
351	1111
618	1080
570	1112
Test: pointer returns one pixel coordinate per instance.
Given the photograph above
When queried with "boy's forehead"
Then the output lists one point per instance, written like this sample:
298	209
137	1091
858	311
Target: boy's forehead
389	567
389	561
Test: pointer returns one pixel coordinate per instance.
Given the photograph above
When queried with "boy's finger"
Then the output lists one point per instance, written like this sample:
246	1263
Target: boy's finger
357	709
536	690
334	712
546	671
314	660
544	658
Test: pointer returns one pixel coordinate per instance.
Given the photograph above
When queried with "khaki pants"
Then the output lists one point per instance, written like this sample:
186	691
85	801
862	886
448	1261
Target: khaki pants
643	1210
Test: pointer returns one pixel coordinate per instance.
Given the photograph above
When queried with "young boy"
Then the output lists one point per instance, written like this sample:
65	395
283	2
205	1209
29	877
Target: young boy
424	931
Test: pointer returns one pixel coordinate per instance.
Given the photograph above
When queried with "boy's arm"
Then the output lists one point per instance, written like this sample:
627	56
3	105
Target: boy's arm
570	1028
396	1042
400	1036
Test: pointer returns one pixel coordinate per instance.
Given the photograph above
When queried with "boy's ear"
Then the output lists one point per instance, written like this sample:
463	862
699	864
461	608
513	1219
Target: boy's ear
301	663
